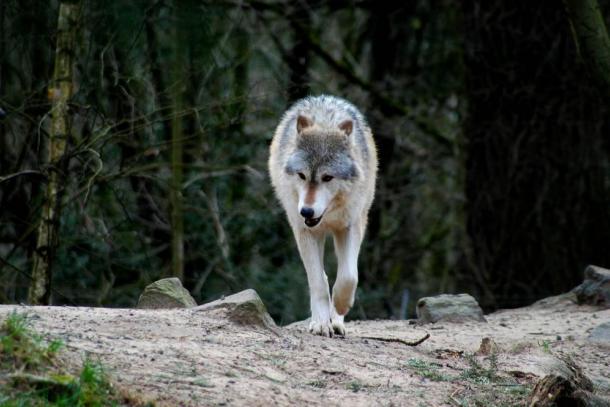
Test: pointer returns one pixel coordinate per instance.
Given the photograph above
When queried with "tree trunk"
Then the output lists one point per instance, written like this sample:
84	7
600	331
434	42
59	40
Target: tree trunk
387	29
591	38
60	93
298	60
177	220
240	82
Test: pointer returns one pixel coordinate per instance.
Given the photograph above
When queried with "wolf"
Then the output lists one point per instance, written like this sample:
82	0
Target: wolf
323	168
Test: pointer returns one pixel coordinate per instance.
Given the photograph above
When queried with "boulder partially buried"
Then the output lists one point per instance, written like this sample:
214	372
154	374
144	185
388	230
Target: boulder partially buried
595	289
449	307
166	293
245	307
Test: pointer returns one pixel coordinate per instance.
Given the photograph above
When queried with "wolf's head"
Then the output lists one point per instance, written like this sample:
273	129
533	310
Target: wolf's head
322	165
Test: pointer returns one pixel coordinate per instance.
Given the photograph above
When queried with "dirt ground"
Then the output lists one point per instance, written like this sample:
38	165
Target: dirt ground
189	357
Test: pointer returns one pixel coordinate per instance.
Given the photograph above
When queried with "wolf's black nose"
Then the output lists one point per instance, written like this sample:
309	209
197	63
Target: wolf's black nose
307	213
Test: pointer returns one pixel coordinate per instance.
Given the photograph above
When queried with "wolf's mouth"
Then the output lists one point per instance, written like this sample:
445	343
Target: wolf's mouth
311	222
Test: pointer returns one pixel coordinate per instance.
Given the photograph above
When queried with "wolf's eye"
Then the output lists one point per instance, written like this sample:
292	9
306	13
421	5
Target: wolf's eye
301	175
326	178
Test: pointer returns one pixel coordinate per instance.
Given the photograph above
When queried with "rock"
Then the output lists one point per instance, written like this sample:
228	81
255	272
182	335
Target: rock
556	301
245	307
601	334
166	293
595	289
449	307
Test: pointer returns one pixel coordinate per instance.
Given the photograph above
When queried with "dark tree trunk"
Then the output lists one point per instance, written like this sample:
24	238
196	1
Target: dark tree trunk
537	194
298	60
387	30
61	90
177	147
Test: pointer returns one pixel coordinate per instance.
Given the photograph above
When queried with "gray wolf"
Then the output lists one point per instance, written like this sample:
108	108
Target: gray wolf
323	167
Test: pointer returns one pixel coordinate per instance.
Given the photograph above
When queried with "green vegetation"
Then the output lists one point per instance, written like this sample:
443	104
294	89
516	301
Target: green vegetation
545	344
476	372
428	370
354	386
33	375
491	389
481	374
320	384
21	349
486	387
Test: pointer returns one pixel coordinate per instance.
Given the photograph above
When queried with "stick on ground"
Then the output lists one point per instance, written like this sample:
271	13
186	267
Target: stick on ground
408	343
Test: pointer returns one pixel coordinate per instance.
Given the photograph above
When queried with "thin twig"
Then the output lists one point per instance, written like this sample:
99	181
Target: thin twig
24	172
100	166
408	343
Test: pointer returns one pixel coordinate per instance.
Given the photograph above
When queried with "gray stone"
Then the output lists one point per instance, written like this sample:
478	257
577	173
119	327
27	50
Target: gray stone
556	301
166	293
595	289
449	307
245	307
601	334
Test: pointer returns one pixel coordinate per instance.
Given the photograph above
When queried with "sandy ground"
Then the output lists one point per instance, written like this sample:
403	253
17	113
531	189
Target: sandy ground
195	358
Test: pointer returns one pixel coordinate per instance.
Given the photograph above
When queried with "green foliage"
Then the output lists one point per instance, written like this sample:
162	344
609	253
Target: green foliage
33	376
428	370
488	386
354	386
479	373
320	384
545	345
476	372
485	387
93	386
20	348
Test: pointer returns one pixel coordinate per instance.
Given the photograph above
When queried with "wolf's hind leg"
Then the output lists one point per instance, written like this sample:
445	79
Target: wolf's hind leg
347	247
311	248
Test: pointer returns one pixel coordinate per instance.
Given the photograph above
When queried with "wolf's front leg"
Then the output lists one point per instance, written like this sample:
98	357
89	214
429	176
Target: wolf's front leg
347	248
311	248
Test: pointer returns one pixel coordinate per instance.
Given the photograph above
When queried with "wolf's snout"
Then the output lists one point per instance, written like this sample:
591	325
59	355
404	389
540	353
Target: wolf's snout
307	213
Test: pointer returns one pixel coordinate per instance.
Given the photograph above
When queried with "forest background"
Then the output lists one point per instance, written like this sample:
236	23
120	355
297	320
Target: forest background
491	120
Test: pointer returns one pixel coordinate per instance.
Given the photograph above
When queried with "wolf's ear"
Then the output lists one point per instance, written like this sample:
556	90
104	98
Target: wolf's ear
347	126
302	123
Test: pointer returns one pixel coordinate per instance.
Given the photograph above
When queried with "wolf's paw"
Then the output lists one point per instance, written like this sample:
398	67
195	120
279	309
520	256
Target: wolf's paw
336	321
321	328
338	327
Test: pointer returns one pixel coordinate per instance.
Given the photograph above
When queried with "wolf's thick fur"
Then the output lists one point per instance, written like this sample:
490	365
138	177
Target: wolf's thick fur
323	166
